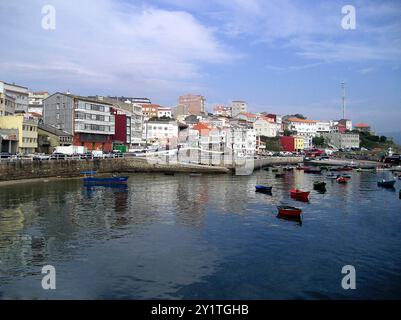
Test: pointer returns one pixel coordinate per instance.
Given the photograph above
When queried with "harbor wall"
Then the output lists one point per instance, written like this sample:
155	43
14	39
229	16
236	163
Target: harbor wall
15	170
28	169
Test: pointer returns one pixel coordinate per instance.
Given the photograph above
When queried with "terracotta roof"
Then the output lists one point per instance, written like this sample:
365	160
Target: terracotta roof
362	125
202	128
301	120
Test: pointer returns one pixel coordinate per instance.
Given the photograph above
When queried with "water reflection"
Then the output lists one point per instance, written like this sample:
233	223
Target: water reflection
180	237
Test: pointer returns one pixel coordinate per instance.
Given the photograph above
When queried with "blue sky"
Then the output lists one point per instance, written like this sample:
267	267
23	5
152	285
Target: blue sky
281	56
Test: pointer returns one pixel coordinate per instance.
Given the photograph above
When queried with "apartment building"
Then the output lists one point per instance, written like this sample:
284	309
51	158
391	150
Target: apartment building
342	140
18	93
27	127
265	127
89	120
194	102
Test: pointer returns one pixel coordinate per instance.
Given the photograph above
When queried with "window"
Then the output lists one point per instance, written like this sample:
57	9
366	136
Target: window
58	116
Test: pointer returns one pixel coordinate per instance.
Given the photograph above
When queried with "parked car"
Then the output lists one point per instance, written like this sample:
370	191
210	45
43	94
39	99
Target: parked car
41	156
58	156
5	155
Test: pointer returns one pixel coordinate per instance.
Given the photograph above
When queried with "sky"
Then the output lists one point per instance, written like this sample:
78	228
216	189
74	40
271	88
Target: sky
280	56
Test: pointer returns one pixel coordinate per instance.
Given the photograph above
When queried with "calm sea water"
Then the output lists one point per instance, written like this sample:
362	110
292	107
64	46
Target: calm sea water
208	237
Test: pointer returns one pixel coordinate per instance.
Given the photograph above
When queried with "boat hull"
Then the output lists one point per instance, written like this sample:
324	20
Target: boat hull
111	180
287	211
299	195
386	184
263	189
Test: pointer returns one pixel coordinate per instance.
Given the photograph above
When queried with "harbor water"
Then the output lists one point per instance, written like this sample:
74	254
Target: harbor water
200	237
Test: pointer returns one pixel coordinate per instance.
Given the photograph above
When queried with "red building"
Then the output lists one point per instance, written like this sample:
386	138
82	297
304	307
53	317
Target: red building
287	143
122	133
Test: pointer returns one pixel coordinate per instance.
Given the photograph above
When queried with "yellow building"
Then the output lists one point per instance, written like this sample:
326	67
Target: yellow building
27	127
299	144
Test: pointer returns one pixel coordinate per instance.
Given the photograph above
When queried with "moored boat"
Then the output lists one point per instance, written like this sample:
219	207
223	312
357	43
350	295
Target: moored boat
342	180
280	175
319	185
105	180
332	176
288	211
299	194
386	183
195	174
263	189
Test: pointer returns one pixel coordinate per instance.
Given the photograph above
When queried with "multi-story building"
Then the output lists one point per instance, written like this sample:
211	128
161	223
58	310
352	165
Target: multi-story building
7	104
164	112
27	127
347	123
150	111
342	140
299	144
88	120
362	127
323	127
160	131
264	127
19	93
246	116
241	139
180	111
238	107
35	101
194	102
221	110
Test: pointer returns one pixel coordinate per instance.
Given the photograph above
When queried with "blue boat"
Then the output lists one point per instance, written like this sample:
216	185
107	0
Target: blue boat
386	183
265	189
105	180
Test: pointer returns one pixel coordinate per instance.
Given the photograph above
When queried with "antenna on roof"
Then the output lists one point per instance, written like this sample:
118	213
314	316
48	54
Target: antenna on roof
343	98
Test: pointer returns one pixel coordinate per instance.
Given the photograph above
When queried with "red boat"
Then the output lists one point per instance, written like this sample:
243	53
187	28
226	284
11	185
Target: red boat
299	194
342	180
287	211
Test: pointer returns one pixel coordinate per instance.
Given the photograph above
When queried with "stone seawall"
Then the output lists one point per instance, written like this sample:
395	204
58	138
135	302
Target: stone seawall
260	163
26	169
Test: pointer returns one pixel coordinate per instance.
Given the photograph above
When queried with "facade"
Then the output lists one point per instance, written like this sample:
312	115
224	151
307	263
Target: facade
347	123
242	140
264	127
150	111
160	131
246	116
194	102
238	107
362	127
299	144
305	128
287	143
35	101
343	140
9	140
180	111
323	127
164	112
122	126
27	127
19	93
50	137
89	120
7	104
221	110
130	99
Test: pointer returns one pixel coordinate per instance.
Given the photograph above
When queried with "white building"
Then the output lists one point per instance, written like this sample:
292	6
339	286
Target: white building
303	127
323	127
164	112
343	140
160	131
264	127
19	93
242	140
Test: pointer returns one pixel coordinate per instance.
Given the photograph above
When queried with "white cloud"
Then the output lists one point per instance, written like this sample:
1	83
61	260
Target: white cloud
108	42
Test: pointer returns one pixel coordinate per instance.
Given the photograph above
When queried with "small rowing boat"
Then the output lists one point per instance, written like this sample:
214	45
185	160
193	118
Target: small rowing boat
105	180
342	180
288	211
299	194
263	189
280	175
319	185
386	183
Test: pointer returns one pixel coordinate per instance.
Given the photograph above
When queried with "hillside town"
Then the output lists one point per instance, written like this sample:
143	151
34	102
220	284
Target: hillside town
40	122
